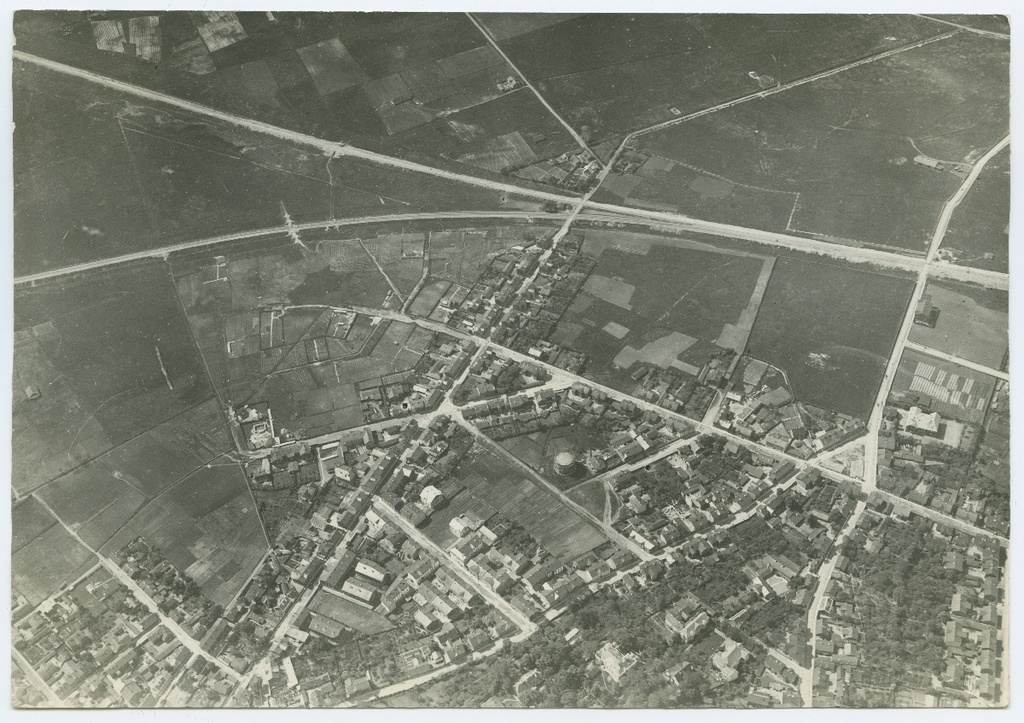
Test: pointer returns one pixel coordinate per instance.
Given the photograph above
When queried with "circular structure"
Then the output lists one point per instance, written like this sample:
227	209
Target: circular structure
564	463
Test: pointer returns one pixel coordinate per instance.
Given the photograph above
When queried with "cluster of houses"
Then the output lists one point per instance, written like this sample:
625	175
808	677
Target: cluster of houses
525	575
688	391
637	433
492	375
477	308
758	408
534	313
777	687
706	489
384	572
973	628
175	594
973	638
574	171
813	511
255	423
417	390
97	645
914	448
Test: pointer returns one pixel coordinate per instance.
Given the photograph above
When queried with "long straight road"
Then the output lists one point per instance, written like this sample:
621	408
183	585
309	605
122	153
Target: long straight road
875	419
941	517
824	575
332	148
526	81
125	579
336	223
659	455
796	83
52	698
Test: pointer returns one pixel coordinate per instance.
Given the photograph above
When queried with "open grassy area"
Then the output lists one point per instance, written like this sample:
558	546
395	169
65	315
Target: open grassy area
348	613
846	144
227	302
421	85
316	399
980	225
558	529
99	174
207	526
592	496
588	66
29	519
74	200
111	356
50	560
654	302
831	330
972	324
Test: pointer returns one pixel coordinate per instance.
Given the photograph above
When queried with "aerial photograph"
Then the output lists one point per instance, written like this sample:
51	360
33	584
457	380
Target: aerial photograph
510	360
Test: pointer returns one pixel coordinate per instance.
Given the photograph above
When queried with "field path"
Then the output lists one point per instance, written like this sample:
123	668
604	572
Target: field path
957	360
885	258
494	44
610	532
821	75
125	579
902	339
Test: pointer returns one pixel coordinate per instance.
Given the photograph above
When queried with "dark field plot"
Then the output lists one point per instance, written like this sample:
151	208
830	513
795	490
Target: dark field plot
558	529
29	519
316	399
75	197
99	174
980	225
111	357
51	560
198	184
589	67
509	25
428	297
972	324
355	77
652	302
836	158
469	135
207	526
228	307
831	329
99	497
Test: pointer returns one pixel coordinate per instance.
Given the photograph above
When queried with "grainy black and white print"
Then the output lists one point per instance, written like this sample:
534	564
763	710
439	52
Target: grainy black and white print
473	360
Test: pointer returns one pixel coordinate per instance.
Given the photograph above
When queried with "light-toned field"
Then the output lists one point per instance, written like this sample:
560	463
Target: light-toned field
660	352
965	328
613	290
348	613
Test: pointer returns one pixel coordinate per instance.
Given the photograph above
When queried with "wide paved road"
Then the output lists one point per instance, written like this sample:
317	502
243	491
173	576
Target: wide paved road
341	149
165	251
